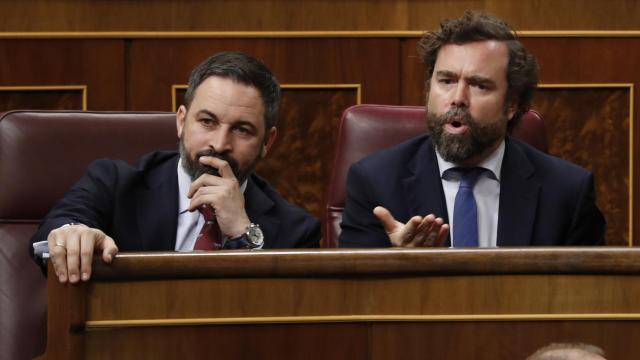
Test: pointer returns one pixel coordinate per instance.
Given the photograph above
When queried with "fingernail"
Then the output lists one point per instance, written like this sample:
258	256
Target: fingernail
61	278
73	277
85	276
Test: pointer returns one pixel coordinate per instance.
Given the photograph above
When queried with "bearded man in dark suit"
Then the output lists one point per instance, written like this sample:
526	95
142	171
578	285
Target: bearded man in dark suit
227	124
469	184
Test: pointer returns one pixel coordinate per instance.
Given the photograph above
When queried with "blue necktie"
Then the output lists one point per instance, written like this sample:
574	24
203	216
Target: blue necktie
465	212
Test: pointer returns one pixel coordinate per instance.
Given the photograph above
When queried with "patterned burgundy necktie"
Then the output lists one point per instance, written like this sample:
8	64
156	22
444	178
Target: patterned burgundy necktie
210	237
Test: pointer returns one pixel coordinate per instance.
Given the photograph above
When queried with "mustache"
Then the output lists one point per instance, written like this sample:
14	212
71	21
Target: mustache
204	169
457	114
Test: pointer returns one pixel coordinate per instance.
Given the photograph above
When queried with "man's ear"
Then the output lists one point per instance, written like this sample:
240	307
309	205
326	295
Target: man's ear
181	117
513	107
427	89
269	139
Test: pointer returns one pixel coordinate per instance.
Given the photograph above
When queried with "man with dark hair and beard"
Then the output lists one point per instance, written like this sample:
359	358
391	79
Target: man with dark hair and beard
469	184
204	198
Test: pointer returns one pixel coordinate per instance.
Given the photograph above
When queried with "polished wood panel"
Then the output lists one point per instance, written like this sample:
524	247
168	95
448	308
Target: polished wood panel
369	297
534	15
364	304
273	15
300	162
157	65
41	98
251	342
412	72
96	64
590	127
582	60
498	340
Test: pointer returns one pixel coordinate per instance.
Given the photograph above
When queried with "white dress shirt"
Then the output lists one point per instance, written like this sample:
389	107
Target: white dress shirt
189	222
486	193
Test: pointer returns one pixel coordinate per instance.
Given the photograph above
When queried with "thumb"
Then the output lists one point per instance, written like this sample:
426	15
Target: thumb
388	221
108	247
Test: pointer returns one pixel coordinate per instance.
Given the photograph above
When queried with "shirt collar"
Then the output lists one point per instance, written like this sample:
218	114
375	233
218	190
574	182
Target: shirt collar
493	163
184	183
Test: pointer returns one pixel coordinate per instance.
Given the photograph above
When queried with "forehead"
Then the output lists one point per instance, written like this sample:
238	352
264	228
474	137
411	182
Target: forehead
228	99
481	58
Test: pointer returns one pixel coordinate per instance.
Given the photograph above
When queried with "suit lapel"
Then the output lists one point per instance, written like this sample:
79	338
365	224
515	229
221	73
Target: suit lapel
519	192
157	207
257	205
423	187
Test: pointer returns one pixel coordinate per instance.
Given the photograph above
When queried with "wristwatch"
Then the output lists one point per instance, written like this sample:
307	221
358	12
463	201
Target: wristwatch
251	239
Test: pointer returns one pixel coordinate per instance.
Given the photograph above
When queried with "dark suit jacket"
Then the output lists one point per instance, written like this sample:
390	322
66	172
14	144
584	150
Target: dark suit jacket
138	206
544	200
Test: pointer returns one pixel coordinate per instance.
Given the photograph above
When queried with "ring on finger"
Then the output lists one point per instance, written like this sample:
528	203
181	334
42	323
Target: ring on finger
61	245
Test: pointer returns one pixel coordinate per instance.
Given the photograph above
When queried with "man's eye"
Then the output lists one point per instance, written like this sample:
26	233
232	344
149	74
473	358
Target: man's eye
446	81
205	121
243	130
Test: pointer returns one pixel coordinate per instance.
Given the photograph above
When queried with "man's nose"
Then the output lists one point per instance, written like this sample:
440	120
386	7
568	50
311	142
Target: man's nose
460	96
221	140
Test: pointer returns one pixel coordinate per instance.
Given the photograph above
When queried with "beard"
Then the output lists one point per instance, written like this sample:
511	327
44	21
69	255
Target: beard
195	169
456	148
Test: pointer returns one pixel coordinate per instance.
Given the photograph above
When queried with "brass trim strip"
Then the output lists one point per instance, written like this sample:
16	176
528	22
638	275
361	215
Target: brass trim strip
83	88
100	324
287	34
586	86
579	33
174	100
629	86
357	87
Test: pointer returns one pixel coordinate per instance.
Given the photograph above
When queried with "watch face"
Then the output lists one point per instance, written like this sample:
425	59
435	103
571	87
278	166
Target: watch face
255	235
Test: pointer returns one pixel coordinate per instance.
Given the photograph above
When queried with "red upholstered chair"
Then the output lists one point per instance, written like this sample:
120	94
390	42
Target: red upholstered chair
365	129
42	153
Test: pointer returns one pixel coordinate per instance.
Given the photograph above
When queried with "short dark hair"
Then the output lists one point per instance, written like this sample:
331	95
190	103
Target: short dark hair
244	69
522	70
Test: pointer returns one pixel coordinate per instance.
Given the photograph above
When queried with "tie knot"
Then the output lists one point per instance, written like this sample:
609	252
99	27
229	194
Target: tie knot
469	176
207	212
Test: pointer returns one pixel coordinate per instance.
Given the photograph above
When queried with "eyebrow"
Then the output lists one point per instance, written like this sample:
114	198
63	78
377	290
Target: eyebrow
474	79
206	112
477	79
446	73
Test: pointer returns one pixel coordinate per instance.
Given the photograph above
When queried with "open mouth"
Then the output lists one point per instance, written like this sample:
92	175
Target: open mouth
456	123
456	126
